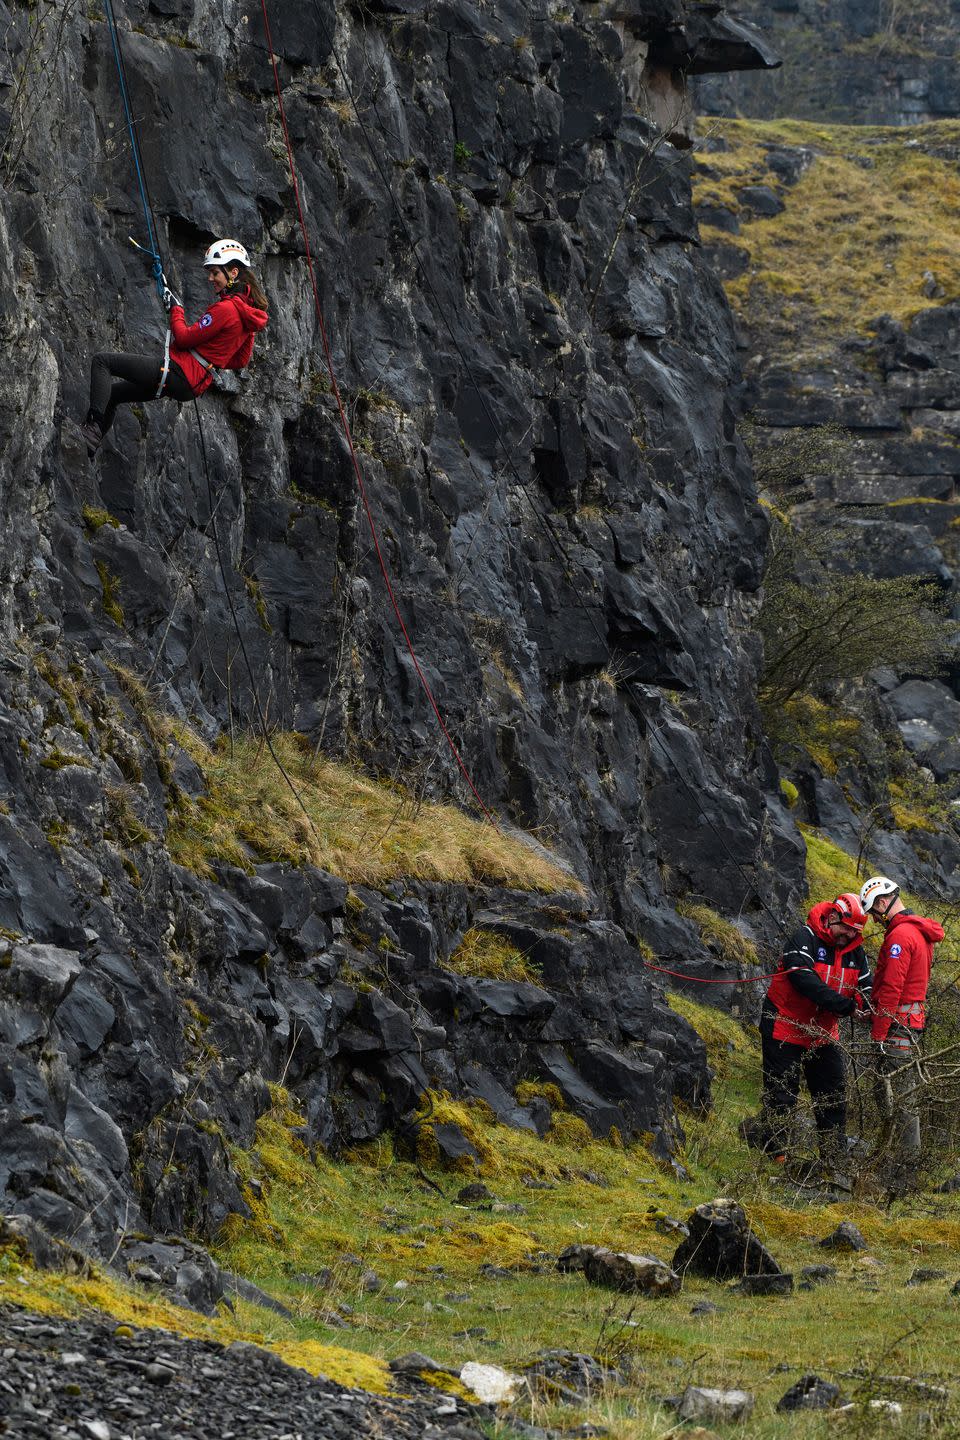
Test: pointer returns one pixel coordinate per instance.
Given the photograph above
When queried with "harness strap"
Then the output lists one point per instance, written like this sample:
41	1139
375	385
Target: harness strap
166	365
202	360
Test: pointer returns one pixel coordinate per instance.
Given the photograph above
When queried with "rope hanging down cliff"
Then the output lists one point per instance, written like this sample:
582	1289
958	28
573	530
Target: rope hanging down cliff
570	564
358	473
160	280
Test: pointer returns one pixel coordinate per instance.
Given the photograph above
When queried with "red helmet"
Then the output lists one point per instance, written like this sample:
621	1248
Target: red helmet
850	911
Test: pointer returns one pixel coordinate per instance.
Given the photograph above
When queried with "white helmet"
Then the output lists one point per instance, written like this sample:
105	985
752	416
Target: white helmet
226	252
876	886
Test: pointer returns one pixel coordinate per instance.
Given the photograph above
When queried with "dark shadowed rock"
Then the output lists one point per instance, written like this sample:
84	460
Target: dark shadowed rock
845	1237
810	1393
722	1246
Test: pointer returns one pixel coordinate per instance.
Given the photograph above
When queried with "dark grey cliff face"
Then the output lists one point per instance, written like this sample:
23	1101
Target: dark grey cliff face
867	62
536	365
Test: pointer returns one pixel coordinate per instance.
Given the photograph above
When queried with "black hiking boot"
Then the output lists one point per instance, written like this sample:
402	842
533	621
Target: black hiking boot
92	433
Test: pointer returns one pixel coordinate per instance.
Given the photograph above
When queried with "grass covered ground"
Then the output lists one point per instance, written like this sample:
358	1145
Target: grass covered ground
876	210
318	1226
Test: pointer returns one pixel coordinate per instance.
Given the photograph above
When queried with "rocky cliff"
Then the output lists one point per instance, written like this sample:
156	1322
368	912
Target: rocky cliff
836	249
856	62
537	367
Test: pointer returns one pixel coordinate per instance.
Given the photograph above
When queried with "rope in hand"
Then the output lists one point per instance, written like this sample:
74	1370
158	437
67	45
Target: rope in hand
345	423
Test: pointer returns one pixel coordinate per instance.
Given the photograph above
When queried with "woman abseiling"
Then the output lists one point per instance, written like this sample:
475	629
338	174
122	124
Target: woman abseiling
222	339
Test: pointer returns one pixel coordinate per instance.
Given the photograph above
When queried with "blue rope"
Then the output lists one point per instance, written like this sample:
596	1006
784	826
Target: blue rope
154	247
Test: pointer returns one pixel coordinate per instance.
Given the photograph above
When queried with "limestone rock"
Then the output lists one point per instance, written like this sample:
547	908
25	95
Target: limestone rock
722	1246
703	1403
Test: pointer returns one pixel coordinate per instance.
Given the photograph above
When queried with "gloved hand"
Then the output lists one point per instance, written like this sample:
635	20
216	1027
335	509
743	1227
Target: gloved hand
169	298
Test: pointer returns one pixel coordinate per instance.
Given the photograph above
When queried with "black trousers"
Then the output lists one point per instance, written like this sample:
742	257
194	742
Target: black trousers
117	379
822	1067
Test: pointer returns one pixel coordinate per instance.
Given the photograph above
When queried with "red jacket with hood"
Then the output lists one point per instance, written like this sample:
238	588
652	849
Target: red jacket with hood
224	336
903	973
818	981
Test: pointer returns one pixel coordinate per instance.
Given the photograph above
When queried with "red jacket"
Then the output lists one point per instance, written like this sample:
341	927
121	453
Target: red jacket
224	336
903	973
818	981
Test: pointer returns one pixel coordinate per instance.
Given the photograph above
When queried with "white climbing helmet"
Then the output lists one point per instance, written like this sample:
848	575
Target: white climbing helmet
876	886
226	252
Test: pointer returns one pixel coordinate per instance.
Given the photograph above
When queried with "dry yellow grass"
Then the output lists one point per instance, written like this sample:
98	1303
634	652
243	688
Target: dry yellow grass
339	820
876	210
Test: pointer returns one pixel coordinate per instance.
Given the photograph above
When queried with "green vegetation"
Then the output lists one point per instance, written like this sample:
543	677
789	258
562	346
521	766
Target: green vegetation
486	955
365	830
876	209
719	935
111	593
94	519
312	1218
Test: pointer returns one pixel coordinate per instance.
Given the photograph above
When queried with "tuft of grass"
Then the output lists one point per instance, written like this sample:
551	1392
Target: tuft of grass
485	955
110	585
94	519
365	830
719	934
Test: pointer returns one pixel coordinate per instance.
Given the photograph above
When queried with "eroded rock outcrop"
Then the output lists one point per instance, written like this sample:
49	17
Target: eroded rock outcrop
537	366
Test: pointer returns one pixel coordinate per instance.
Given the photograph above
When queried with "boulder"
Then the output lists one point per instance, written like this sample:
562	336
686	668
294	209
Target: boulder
845	1237
702	1403
617	1270
810	1393
721	1244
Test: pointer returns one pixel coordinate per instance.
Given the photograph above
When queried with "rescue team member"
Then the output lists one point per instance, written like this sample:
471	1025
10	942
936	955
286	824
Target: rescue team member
221	339
899	1010
824	974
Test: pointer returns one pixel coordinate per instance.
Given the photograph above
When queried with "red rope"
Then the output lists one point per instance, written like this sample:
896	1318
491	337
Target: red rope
696	980
346	430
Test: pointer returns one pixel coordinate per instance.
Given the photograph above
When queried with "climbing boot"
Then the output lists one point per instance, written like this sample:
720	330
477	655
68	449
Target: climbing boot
92	432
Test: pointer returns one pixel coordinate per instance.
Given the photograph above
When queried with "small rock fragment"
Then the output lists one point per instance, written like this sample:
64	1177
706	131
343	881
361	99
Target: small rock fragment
701	1403
810	1393
923	1276
489	1383
765	1285
413	1363
472	1194
818	1274
845	1237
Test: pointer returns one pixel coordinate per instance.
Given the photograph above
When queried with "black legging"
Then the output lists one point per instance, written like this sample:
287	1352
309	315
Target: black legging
822	1067
129	379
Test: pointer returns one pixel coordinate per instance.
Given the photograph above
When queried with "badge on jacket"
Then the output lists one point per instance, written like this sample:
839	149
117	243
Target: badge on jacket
895	949
207	320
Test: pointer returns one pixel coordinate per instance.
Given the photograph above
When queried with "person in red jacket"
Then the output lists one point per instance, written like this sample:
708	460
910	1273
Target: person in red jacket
823	975
221	339
899	1005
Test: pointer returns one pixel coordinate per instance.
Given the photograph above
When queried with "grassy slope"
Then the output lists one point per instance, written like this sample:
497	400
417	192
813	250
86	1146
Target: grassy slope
876	209
309	1213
